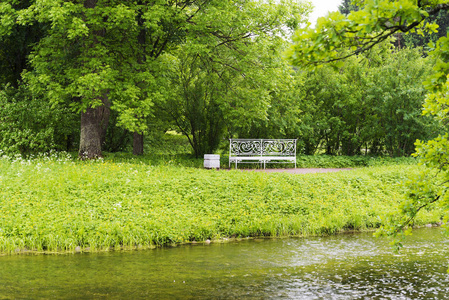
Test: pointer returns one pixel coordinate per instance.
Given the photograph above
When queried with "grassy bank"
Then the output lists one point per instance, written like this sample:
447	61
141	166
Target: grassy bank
59	204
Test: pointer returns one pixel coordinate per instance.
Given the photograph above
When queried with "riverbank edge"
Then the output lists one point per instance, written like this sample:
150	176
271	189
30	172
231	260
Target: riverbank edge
224	240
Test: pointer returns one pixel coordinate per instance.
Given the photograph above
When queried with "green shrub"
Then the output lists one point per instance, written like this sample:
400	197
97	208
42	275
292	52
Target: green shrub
29	125
329	161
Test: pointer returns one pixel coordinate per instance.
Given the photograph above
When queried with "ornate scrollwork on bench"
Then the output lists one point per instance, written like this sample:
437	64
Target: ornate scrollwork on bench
262	151
246	147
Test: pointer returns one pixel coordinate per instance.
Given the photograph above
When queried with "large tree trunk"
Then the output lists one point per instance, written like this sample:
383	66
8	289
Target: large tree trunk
90	138
141	38
137	143
94	123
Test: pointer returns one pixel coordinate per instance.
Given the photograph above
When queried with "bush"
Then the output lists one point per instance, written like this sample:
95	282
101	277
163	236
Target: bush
329	161
29	125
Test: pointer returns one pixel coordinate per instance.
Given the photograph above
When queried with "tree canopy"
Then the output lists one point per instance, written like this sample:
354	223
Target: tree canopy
98	56
360	30
370	105
98	75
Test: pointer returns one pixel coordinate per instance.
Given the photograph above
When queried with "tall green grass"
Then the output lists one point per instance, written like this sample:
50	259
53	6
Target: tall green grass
58	204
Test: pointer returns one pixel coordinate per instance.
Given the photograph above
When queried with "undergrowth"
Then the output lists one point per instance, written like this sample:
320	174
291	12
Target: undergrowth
59	204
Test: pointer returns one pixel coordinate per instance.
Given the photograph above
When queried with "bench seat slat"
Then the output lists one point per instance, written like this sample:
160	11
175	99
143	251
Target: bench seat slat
267	158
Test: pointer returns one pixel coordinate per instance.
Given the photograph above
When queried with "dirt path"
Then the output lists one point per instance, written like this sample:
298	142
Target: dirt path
297	171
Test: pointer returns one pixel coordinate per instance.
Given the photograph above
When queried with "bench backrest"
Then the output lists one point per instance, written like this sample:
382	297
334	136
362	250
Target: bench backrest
262	147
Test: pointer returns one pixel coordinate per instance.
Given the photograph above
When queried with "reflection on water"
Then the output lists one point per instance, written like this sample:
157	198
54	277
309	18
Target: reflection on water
350	266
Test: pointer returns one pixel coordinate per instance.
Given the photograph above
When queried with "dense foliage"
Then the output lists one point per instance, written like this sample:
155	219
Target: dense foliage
210	70
95	57
410	39
337	37
371	104
32	125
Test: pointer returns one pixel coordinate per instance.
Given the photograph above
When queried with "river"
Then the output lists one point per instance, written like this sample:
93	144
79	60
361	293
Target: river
345	266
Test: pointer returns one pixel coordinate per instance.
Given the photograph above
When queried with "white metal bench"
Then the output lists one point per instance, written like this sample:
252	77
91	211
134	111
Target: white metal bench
262	151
